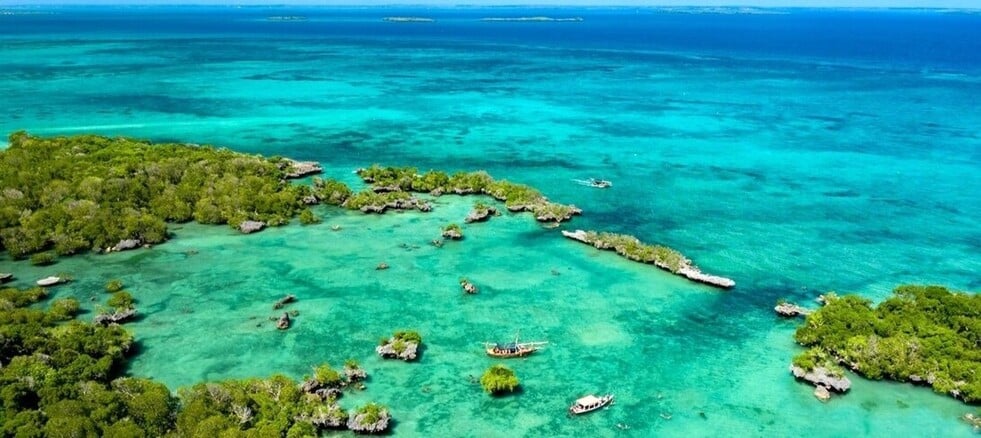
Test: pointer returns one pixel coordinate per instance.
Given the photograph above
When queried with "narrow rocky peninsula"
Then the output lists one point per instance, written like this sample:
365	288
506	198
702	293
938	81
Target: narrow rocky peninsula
516	197
661	256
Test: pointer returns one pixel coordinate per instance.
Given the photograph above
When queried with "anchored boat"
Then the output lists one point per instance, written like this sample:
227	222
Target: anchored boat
590	403
512	349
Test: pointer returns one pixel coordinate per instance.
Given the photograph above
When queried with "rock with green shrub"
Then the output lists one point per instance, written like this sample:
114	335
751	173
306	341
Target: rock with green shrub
402	345
371	418
453	232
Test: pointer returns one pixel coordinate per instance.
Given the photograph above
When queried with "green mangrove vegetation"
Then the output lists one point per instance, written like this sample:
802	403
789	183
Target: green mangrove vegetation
86	192
516	197
42	259
61	377
114	285
499	379
632	248
308	217
922	334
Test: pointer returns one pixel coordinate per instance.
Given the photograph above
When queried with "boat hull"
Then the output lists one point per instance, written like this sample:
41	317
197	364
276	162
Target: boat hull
509	355
580	410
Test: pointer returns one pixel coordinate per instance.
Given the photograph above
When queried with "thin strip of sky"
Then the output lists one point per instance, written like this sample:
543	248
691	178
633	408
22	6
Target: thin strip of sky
973	4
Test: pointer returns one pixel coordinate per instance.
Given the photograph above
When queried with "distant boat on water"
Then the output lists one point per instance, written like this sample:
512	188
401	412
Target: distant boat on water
512	349
593	182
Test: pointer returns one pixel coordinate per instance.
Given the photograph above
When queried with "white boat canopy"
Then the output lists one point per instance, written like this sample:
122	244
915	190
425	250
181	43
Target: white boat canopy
588	400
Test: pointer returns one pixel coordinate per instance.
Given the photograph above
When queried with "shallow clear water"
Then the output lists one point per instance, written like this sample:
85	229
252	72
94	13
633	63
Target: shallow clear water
795	153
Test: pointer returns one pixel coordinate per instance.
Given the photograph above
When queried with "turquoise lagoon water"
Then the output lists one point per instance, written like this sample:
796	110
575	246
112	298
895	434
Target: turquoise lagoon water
796	153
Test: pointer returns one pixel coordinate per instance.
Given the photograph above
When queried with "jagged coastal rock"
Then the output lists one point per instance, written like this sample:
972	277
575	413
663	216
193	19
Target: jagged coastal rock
283	322
118	317
354	373
389	351
320	389
398	204
467	286
480	213
50	281
127	244
248	227
299	169
369	422
822	393
402	345
284	301
790	310
326	416
453	232
662	257
821	376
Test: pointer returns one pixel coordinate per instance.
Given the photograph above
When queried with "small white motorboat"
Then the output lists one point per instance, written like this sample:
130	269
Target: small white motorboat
590	403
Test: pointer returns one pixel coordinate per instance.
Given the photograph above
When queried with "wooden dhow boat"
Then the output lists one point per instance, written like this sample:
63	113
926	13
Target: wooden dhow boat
512	349
589	404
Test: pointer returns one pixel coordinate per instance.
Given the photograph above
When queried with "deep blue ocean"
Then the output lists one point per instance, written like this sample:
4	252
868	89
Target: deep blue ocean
908	38
797	151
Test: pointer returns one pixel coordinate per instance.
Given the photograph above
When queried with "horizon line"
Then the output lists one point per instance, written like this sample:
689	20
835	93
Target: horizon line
501	5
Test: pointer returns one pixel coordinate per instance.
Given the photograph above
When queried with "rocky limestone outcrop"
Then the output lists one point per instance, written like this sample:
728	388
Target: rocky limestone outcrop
387	350
248	227
325	392
821	376
284	301
299	169
551	215
480	214
468	287
452	234
790	310
283	322
328	416
359	423
355	374
822	393
118	317
127	244
398	204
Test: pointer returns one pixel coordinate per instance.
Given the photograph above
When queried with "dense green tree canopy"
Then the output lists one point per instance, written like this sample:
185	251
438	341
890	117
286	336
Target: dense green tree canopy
499	379
61	379
922	334
89	192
